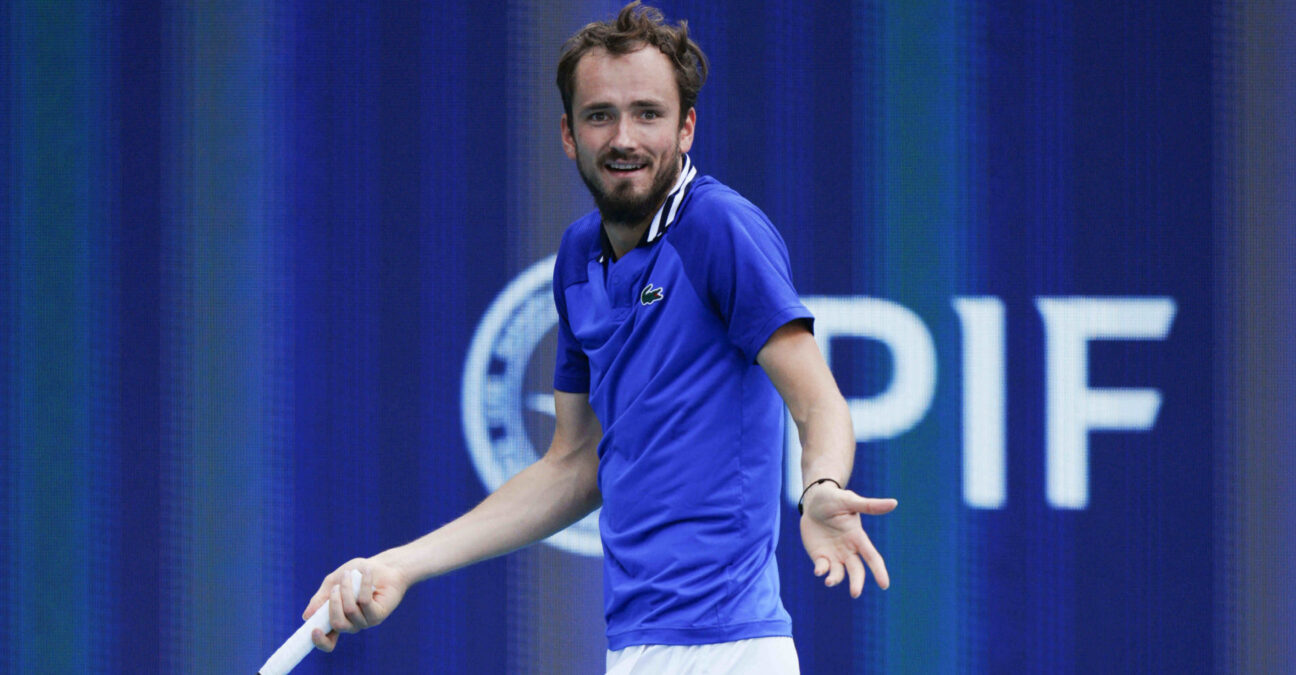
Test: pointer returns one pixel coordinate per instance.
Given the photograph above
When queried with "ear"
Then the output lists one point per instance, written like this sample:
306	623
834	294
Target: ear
568	141
686	130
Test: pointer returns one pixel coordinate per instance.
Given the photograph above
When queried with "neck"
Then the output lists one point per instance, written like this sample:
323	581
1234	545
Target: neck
625	237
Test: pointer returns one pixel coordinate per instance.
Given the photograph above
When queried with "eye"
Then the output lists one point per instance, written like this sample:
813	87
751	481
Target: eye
651	114
598	116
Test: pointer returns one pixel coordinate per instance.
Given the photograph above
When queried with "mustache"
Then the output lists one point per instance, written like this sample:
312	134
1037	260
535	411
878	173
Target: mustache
618	156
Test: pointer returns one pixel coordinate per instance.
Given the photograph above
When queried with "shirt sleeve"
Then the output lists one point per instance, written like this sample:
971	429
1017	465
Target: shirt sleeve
571	365
748	275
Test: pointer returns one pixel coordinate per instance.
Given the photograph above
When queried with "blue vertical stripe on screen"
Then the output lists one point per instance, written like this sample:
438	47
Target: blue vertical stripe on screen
1050	222
970	165
394	460
224	448
137	394
924	221
1229	607
105	615
522	645
57	213
869	231
9	266
447	225
336	225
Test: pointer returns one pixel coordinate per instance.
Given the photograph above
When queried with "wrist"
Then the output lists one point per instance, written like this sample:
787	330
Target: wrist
404	562
806	491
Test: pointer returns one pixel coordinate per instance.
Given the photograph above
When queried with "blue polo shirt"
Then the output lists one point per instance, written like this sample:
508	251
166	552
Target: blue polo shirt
664	340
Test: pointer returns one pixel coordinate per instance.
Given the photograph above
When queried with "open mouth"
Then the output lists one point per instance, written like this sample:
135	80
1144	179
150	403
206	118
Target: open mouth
623	166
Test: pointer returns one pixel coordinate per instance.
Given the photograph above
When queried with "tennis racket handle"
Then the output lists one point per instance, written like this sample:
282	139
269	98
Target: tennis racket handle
296	647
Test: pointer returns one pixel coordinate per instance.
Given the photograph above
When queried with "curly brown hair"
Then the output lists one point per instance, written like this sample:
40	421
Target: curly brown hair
635	27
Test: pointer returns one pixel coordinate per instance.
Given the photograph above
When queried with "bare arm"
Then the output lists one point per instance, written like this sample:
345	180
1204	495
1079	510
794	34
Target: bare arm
556	491
793	362
830	526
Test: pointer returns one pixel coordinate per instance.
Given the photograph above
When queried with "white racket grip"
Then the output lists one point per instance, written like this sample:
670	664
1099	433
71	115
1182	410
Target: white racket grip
296	647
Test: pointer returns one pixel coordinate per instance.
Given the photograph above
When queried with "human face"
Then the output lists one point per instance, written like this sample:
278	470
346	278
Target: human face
625	132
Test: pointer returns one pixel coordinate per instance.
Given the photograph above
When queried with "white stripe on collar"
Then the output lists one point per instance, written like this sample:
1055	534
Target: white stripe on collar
665	216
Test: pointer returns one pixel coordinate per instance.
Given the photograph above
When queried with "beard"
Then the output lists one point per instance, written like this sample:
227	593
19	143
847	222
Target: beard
620	206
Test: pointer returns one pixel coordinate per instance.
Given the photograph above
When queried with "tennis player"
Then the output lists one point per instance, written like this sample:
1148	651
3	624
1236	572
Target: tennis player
680	338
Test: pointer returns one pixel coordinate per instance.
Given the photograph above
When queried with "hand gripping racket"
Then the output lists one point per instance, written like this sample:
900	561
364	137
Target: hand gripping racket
296	647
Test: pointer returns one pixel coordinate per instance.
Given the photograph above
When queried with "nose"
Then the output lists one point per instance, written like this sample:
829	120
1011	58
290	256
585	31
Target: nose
623	139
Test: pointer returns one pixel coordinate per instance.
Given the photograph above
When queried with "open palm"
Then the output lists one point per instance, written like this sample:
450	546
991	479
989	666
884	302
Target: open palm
835	539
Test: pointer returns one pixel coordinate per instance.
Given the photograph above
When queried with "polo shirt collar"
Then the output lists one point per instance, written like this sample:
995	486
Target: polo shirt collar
665	216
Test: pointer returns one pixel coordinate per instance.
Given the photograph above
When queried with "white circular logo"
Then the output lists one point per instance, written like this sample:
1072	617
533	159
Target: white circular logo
507	402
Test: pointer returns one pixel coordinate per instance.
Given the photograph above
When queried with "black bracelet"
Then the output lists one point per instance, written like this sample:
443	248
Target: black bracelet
801	501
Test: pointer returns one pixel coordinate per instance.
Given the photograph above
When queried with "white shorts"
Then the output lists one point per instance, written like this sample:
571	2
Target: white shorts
755	656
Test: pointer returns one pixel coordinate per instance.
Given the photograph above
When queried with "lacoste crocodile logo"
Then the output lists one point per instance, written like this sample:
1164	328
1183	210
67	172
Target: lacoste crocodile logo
649	295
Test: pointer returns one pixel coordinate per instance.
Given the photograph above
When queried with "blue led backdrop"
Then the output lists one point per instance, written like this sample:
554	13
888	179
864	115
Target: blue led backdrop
274	293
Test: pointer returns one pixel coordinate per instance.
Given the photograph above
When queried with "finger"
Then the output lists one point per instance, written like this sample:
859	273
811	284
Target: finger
821	567
320	596
875	563
349	606
337	618
873	507
366	585
855	570
835	575
324	642
366	598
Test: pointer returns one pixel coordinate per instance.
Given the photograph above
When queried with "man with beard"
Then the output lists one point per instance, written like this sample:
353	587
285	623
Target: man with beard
680	337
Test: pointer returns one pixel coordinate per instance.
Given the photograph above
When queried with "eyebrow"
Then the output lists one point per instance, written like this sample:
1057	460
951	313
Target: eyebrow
642	103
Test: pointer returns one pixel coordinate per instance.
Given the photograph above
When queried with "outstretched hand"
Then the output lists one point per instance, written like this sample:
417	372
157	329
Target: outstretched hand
835	539
381	590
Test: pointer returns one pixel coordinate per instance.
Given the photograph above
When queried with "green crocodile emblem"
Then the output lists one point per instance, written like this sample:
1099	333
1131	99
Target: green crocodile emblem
649	295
